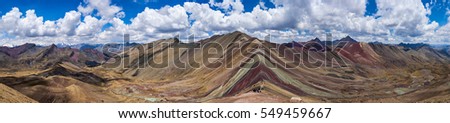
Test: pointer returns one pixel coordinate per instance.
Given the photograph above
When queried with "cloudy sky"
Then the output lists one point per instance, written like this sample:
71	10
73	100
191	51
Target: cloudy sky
103	21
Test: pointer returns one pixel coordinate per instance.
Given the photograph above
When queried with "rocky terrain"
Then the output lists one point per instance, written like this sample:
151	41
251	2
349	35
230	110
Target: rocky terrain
9	95
233	67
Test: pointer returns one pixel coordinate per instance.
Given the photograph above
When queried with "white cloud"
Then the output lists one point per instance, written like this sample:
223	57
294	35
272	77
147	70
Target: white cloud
114	33
29	26
108	13
441	35
90	26
233	6
206	19
408	18
87	10
262	4
69	29
315	16
69	23
10	20
103	7
33	26
166	19
448	13
289	20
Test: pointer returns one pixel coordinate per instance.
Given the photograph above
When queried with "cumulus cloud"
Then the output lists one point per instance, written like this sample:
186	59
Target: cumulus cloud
441	34
29	26
408	18
262	4
205	18
166	19
313	15
448	13
115	32
68	24
290	20
90	26
233	6
10	20
103	7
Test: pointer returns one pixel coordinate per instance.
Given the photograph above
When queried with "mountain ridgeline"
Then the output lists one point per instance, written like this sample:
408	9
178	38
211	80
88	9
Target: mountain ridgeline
233	67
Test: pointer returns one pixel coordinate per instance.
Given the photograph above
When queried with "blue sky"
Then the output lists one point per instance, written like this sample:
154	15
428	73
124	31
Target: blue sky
91	21
55	9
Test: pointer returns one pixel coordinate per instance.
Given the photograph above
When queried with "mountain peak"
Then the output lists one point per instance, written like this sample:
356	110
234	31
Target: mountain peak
176	40
348	38
17	50
53	46
237	32
228	37
316	39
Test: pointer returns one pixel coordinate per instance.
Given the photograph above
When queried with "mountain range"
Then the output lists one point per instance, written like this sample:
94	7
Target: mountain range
233	67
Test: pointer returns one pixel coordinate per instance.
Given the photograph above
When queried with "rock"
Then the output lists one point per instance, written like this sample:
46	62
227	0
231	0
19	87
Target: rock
296	100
